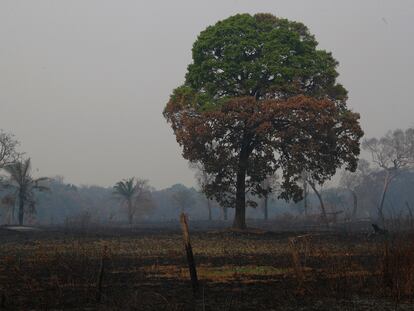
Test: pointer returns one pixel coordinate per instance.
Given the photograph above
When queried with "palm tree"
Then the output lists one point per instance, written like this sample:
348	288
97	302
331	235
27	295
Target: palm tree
24	185
125	190
134	193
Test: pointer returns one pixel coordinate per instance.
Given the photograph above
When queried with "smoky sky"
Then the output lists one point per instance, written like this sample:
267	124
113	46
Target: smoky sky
83	83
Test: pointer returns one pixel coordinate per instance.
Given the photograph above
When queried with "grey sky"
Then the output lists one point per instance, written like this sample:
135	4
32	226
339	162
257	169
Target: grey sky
83	83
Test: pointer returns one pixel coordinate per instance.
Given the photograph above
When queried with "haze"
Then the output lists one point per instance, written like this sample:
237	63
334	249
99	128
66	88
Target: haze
83	83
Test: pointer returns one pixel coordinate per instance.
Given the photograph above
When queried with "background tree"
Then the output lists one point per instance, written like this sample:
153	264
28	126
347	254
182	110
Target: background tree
184	200
135	195
144	203
391	154
309	180
269	186
24	186
203	178
353	180
125	191
259	87
7	203
225	213
8	152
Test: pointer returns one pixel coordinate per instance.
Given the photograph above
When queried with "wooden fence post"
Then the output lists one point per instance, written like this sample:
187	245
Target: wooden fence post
189	252
100	276
297	265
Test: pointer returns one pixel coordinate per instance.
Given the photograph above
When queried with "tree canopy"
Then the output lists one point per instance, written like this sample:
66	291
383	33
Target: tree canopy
261	56
260	97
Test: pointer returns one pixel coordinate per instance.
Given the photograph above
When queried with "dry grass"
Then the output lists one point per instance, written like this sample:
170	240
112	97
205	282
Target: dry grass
398	267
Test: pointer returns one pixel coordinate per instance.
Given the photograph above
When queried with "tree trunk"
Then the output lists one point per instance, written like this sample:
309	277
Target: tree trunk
240	214
387	180
21	210
240	217
11	215
266	213
210	218
322	205
305	197
130	213
225	215
410	213
355	209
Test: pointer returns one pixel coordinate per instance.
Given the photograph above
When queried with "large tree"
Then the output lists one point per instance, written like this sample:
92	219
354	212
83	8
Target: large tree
260	97
24	186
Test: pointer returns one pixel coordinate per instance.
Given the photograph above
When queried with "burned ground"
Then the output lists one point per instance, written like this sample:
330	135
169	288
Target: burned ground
145	269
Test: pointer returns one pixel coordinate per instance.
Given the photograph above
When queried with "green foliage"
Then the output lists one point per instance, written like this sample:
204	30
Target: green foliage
261	56
125	189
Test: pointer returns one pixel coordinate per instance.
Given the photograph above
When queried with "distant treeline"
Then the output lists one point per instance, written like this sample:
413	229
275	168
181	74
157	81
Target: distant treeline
67	203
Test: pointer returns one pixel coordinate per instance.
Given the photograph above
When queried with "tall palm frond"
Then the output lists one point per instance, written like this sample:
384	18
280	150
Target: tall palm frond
125	189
